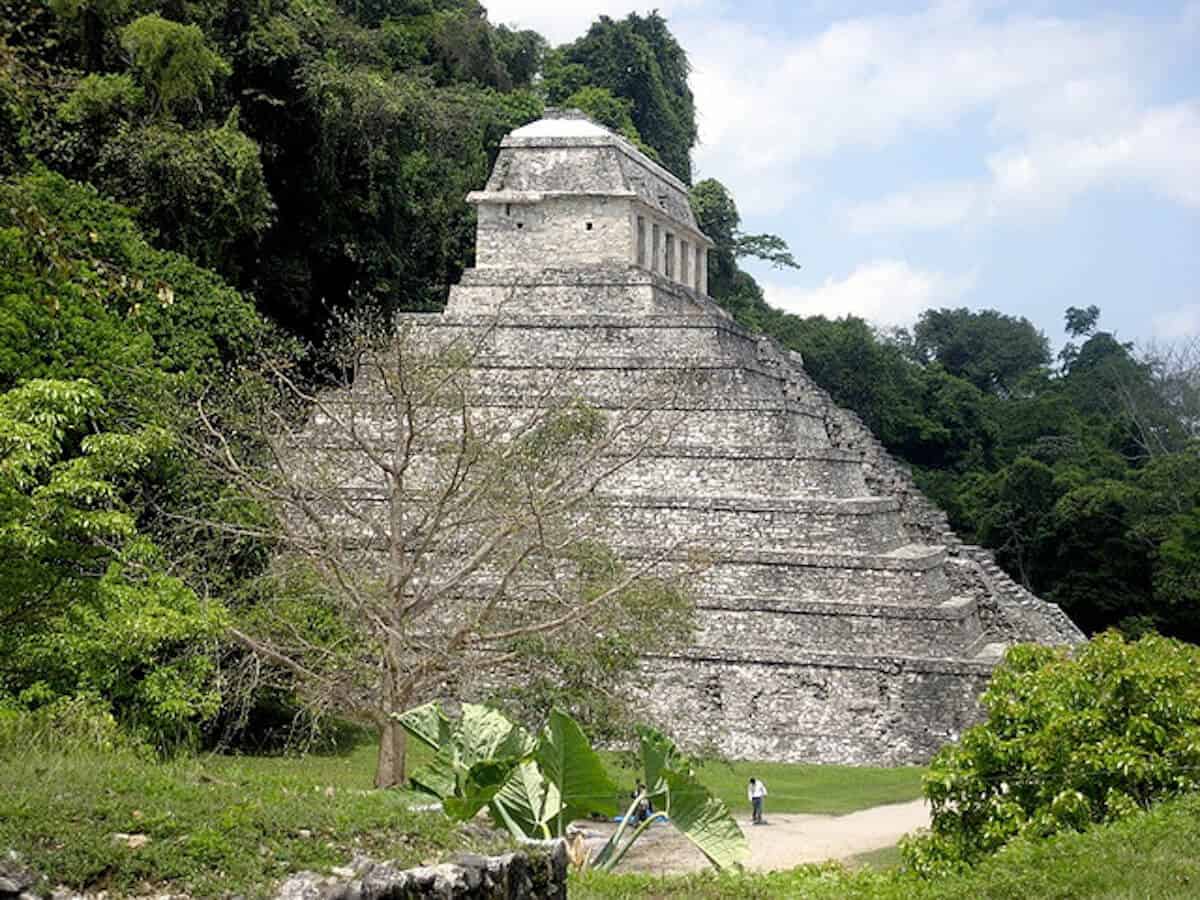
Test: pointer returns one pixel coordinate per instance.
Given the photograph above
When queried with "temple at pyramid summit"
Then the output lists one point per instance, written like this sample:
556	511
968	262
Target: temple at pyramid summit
840	619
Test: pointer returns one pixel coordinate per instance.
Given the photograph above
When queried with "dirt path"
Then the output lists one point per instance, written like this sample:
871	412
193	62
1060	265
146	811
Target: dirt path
786	840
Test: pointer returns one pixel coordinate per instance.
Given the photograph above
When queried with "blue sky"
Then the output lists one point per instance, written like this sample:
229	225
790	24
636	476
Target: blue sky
1023	157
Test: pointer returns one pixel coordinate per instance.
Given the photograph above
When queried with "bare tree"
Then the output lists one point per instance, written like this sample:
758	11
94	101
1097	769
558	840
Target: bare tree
1175	374
434	515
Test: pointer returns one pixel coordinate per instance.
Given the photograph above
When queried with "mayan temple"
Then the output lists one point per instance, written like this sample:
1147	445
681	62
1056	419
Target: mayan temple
841	620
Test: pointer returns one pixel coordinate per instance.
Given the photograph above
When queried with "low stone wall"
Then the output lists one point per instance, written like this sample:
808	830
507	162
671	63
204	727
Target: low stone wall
538	872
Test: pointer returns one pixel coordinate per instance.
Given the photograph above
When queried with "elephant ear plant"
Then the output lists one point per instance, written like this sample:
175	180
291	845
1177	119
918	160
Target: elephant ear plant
679	798
534	787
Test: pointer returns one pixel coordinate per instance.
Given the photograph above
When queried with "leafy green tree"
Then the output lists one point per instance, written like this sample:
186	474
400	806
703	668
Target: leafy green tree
173	62
85	605
1104	570
86	296
991	350
562	78
521	53
203	190
90	28
610	111
1013	511
13	114
717	215
636	58
1068	741
1082	322
1165	514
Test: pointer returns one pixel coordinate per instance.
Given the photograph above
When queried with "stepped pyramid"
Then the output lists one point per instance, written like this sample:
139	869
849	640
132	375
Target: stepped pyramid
841	620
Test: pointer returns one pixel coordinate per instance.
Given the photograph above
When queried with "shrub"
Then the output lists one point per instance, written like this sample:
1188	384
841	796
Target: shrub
1069	740
69	724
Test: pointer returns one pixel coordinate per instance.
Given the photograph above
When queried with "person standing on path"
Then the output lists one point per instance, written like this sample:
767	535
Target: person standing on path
756	791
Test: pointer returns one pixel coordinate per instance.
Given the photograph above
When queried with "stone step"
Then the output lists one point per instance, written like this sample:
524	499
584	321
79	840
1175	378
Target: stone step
904	577
616	386
775	471
942	631
816	707
777	426
661	338
723	524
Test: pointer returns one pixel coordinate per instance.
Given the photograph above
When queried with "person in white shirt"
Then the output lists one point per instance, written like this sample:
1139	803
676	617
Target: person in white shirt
756	791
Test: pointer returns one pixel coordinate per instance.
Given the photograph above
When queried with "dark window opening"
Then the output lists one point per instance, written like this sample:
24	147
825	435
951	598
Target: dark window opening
508	209
589	226
520	224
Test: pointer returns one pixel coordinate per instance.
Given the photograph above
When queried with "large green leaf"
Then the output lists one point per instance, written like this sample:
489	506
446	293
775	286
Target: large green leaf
474	755
436	777
484	734
526	802
569	763
479	785
704	820
428	724
658	753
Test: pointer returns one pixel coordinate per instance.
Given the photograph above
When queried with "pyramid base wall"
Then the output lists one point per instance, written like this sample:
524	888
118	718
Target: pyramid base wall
820	709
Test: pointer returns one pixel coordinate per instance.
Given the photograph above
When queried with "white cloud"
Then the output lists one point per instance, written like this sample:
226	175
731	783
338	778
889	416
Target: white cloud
1178	323
1159	149
884	291
994	82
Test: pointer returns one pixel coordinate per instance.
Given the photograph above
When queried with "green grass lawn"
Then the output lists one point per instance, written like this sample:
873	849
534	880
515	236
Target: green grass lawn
235	824
883	858
793	788
216	825
1151	855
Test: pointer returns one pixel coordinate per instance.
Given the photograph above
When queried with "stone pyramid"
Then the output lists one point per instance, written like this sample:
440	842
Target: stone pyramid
842	620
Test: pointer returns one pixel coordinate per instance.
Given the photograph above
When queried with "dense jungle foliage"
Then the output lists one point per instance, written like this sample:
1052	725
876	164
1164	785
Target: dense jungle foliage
185	184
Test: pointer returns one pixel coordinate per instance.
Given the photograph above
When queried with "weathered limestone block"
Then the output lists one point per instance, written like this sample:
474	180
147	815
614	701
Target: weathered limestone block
742	472
538	872
816	707
597	289
869	525
661	337
828	578
951	627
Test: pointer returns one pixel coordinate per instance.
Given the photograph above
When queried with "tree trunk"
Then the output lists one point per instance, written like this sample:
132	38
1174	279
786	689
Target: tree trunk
393	746
393	740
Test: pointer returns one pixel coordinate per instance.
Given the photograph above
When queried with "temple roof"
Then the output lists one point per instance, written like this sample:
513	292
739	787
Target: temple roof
566	153
561	126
